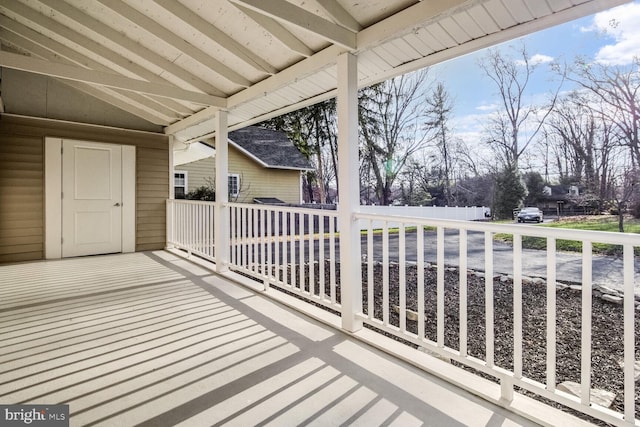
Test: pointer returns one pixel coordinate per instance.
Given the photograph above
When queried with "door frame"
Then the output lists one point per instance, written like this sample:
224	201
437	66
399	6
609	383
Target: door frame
53	197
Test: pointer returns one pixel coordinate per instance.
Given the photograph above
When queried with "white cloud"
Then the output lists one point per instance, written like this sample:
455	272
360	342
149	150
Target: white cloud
539	58
536	59
621	25
487	107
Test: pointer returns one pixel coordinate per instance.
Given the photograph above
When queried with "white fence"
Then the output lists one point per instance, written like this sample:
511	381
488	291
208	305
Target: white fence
467	213
430	305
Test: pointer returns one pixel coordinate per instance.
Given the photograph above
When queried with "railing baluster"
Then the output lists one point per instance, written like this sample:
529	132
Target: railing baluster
402	280
255	242
551	314
321	291
269	231
440	286
206	250
284	271
488	298
277	261
263	245
200	233
585	365
332	260
385	273
420	284
233	236
517	305
198	228
292	229
629	335
370	307
187	229
243	237
312	258
301	241
463	292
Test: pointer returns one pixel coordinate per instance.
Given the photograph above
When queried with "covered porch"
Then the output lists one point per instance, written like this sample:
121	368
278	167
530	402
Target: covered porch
153	339
149	337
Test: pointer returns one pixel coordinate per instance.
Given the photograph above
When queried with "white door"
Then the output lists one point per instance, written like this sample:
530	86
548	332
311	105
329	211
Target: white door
91	198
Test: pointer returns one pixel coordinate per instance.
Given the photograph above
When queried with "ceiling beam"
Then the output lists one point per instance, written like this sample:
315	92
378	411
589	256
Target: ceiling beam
214	34
408	20
280	33
63	71
117	62
162	115
128	44
340	15
46	48
172	39
286	12
323	59
99	93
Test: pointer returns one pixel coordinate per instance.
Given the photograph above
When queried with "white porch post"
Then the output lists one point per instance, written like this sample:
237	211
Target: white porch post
349	192
221	223
170	206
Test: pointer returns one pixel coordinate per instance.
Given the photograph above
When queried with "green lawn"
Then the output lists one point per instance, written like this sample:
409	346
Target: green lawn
596	223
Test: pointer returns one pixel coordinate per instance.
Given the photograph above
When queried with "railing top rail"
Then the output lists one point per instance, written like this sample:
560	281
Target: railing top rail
521	229
191	202
310	210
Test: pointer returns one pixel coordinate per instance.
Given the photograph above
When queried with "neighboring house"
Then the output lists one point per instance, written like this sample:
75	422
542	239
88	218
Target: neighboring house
565	198
263	164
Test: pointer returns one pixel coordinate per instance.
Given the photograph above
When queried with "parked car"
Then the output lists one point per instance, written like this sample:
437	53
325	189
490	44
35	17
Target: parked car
530	214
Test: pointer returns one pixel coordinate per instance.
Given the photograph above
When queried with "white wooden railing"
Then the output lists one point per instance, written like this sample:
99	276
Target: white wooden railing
292	249
190	226
297	250
513	375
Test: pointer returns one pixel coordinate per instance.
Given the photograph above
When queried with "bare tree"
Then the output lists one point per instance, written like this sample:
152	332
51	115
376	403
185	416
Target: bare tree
617	88
584	141
624	190
511	77
440	106
393	132
312	130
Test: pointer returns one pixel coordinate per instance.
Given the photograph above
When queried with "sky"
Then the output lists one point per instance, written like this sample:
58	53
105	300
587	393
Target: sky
612	37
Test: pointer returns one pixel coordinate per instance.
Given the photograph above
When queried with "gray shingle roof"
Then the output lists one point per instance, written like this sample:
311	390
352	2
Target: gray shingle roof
272	148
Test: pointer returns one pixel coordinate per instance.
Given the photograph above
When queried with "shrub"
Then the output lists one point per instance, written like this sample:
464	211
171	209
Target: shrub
202	193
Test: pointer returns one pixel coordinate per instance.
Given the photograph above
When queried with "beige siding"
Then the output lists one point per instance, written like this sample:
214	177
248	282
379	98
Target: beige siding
21	198
255	180
198	172
22	182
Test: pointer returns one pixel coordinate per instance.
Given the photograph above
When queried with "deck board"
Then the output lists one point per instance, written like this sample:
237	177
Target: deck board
152	339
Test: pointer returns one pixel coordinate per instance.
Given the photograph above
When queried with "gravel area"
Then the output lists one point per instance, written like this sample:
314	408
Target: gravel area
607	325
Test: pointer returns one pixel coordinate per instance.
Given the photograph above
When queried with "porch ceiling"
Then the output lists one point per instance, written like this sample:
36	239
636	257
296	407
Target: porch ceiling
175	63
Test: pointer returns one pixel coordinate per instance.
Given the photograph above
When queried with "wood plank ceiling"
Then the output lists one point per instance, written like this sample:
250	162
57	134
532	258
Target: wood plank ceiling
176	62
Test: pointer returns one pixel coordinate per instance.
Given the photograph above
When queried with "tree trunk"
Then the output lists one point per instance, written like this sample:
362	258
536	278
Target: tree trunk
620	219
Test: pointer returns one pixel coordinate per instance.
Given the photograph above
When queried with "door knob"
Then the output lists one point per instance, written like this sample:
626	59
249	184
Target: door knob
117	204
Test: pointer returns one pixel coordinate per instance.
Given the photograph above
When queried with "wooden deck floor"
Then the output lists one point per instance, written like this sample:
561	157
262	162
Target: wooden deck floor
151	339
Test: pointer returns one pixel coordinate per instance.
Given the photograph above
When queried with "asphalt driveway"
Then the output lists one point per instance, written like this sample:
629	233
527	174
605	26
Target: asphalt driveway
607	270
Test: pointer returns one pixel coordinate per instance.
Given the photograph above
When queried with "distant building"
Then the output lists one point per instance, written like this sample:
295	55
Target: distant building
263	164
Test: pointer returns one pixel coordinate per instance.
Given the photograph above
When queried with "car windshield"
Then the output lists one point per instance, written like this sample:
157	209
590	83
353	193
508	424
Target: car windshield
529	210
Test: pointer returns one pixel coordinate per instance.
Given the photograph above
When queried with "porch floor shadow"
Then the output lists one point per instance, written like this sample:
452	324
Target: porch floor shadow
152	339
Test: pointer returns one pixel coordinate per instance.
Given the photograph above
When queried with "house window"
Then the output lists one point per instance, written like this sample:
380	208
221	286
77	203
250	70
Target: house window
234	185
180	184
